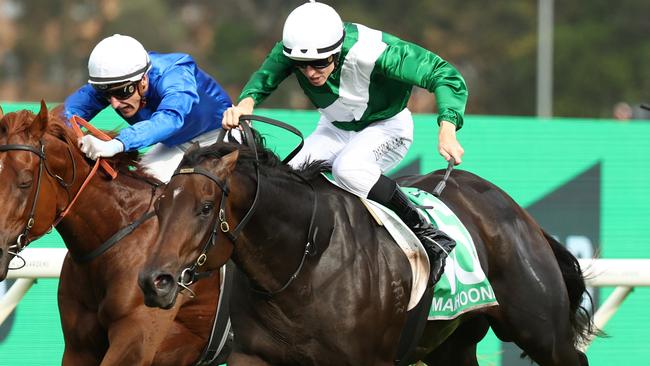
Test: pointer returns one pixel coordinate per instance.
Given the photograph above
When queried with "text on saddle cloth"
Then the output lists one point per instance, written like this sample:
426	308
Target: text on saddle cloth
463	286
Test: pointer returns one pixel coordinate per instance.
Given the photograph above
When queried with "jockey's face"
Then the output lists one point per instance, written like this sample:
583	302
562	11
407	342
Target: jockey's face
317	71
130	105
317	75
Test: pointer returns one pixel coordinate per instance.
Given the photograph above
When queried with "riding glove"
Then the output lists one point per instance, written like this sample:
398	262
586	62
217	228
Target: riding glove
95	148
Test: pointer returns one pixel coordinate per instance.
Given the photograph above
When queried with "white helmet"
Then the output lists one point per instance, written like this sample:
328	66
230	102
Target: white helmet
312	31
117	59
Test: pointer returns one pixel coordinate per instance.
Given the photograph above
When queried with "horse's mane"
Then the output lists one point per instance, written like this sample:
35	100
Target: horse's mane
265	157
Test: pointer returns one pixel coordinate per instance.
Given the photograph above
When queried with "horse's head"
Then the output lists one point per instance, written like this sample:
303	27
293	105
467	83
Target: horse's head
31	163
194	213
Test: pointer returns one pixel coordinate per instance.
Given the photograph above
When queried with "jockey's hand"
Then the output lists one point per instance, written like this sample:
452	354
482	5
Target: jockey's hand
232	114
95	148
448	145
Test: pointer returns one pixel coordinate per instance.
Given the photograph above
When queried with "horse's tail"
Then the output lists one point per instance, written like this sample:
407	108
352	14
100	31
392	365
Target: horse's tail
580	317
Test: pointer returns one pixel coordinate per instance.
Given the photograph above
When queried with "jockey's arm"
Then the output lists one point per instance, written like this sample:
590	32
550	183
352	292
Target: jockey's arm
179	94
416	65
448	145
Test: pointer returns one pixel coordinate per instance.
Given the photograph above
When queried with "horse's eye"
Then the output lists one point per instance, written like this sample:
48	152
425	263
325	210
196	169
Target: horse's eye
206	208
25	179
25	184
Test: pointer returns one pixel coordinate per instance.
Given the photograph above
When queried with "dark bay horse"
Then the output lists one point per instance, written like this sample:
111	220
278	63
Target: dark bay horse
323	284
103	316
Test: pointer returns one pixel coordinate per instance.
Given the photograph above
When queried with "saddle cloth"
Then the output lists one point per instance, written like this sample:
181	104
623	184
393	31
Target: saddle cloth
409	244
463	285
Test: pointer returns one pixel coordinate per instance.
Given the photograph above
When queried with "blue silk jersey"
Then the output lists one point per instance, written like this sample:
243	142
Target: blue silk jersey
183	102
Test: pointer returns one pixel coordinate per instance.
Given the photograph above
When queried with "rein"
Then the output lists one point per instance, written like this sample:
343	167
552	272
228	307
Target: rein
120	234
189	275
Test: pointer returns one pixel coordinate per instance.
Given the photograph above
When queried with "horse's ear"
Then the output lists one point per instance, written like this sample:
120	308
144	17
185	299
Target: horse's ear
2	113
193	147
227	163
40	122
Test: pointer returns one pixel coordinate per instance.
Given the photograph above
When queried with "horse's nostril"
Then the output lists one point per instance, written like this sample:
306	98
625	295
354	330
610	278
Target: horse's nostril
2	253
163	281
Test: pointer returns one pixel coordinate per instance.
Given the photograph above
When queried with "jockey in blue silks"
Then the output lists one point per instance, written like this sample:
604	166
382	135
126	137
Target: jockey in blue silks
167	99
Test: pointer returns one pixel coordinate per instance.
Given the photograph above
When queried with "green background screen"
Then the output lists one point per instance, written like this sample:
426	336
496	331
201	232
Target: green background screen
586	181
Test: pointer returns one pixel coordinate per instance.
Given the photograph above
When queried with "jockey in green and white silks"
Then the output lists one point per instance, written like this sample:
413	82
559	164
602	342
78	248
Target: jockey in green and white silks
360	79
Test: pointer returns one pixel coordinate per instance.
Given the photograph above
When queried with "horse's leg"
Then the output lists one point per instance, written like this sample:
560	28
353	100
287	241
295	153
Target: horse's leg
84	337
536	299
84	340
134	339
547	342
541	328
526	273
459	349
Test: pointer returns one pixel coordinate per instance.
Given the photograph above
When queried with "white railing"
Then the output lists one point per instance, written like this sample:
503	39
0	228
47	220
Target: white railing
39	263
624	274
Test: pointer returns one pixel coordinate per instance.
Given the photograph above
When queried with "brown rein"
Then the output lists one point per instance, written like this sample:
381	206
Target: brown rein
76	123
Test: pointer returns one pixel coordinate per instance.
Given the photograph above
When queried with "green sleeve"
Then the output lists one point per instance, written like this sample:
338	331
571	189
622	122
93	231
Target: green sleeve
265	80
415	65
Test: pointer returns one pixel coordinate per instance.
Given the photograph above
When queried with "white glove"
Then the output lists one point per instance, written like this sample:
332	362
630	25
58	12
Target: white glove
95	148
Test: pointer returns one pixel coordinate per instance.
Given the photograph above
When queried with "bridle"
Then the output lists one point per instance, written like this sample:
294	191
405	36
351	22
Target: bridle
23	238
190	274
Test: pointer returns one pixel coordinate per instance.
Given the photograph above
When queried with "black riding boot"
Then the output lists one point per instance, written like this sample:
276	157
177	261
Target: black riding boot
436	243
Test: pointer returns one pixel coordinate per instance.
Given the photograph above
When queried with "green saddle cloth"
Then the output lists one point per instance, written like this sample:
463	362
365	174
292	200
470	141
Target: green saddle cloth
463	286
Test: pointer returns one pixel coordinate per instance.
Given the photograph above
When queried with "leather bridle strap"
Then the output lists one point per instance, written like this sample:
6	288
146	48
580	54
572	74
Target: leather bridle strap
77	121
23	238
14	147
123	232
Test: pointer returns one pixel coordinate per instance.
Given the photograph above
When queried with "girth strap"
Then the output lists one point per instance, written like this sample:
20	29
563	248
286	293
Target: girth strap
217	350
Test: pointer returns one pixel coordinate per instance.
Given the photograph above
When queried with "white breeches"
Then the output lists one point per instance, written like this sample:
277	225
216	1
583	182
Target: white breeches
161	161
359	158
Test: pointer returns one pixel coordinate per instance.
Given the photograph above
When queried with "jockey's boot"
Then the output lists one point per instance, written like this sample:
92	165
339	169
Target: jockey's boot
437	244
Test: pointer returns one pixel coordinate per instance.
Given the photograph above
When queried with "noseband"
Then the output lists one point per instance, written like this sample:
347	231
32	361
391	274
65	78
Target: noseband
190	274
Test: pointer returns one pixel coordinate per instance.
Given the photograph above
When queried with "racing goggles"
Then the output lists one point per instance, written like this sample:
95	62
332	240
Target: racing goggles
120	92
316	64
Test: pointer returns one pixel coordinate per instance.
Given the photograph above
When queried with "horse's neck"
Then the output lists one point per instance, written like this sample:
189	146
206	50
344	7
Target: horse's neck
103	208
273	243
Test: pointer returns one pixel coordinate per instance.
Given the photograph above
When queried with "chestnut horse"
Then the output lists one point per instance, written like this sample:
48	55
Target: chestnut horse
323	284
103	316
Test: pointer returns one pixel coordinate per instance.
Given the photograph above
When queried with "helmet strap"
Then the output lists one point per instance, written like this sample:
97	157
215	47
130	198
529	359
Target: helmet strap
337	59
143	85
